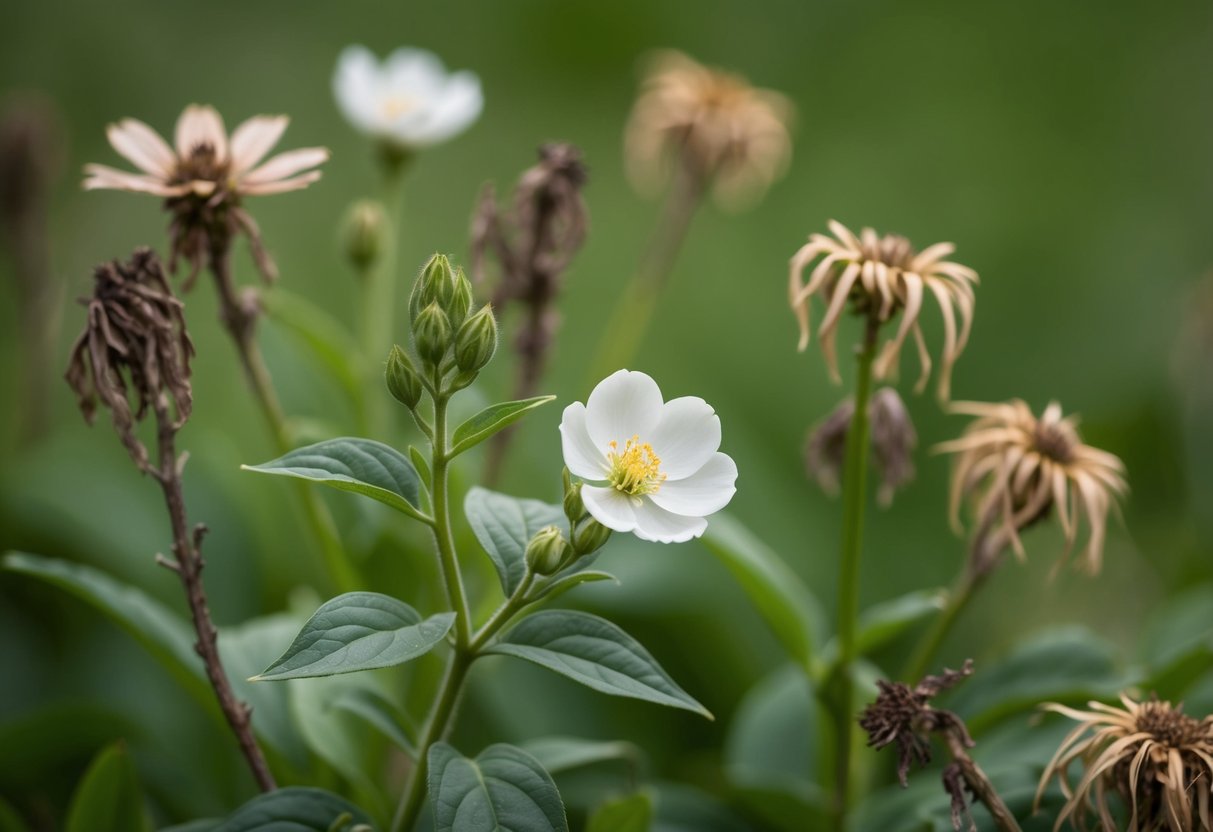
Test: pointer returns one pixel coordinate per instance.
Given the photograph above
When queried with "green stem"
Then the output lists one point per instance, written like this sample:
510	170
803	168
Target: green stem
379	303
854	476
924	653
452	578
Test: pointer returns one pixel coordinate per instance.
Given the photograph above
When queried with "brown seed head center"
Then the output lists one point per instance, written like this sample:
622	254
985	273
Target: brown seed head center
1170	726
1055	441
894	250
202	163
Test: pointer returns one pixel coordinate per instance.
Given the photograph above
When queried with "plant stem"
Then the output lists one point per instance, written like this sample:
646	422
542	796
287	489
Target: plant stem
239	318
379	303
980	785
452	578
928	646
854	477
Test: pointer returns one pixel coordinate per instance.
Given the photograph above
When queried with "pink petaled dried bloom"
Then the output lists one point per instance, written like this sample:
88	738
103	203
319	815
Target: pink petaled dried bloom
714	122
1018	467
882	276
204	176
1155	757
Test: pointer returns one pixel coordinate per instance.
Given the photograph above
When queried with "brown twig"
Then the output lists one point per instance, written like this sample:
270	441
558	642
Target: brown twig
964	772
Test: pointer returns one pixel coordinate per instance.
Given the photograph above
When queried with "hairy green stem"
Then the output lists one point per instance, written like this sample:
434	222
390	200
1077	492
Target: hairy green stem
452	578
854	477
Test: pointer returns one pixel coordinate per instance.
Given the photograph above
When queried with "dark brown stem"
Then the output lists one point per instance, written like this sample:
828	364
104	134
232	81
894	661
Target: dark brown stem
980	785
187	563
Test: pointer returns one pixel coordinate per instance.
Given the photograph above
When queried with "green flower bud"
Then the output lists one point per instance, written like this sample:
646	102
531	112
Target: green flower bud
476	340
461	299
435	284
590	536
574	509
402	379
546	551
362	233
432	333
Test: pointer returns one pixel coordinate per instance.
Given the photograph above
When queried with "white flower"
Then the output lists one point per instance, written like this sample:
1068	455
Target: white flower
408	99
658	461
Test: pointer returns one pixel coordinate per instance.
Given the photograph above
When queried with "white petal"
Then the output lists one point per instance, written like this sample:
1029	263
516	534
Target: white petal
142	146
452	111
253	139
356	86
286	164
706	491
623	405
609	507
101	176
656	524
413	72
580	455
686	436
201	125
280	186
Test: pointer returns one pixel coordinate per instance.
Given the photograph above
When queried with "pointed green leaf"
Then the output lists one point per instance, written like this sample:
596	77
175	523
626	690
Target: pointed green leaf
358	631
596	653
422	465
503	789
492	419
295	809
881	623
633	813
504	524
363	466
562	582
559	754
108	798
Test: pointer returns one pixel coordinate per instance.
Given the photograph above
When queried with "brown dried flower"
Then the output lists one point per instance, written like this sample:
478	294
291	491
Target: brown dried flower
882	276
893	441
1156	757
205	176
1018	467
712	121
134	346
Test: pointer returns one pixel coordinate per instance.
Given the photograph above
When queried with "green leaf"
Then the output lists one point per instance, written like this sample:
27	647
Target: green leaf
881	623
492	419
633	813
503	789
596	653
363	466
321	332
422	465
560	754
381	714
358	631
10	821
504	524
562	582
1177	643
769	741
108	797
295	809
778	594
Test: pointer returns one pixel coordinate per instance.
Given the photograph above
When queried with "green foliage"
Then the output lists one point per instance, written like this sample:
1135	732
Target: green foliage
382	714
633	813
503	788
326	337
491	420
560	754
295	809
881	623
504	525
108	799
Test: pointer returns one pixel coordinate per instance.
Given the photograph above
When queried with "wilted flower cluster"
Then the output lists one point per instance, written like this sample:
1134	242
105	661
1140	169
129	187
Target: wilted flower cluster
893	440
1018	467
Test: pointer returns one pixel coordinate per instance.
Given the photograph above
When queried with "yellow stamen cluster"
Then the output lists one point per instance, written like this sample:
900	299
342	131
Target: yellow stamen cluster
636	469
395	106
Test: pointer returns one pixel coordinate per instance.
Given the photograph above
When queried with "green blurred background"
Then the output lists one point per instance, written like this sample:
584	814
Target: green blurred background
1066	148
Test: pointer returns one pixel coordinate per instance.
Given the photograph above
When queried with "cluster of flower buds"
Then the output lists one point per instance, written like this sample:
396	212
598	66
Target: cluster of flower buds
550	550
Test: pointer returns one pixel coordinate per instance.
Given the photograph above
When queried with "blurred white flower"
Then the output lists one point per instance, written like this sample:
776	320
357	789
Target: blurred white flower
658	462
408	99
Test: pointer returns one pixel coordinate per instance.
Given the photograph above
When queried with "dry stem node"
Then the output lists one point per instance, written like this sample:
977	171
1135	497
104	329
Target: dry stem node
893	440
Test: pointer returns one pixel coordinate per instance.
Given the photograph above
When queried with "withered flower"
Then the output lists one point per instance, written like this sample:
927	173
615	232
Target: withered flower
883	276
134	348
893	440
206	175
712	121
1155	757
1017	468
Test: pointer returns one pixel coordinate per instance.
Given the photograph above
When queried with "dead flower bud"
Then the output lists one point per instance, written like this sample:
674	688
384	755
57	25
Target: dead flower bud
134	348
893	442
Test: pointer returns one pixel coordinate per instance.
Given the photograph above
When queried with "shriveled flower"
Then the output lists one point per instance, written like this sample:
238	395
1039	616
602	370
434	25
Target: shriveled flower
408	100
893	440
726	131
1017	468
1155	757
134	346
883	276
204	176
657	462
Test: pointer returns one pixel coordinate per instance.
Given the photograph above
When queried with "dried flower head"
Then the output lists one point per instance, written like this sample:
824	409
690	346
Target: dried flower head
882	276
1017	468
893	441
205	176
134	346
1156	757
714	122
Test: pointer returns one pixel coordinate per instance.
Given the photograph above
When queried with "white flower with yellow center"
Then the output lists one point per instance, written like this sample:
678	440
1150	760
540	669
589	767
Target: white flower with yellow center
408	99
651	467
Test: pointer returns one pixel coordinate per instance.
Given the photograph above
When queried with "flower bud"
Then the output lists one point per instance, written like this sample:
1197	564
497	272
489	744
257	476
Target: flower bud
476	340
362	233
590	536
402	379
432	333
435	284
574	509
546	551
461	299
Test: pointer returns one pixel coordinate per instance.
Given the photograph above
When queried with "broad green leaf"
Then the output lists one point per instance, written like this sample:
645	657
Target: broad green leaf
563	582
323	334
778	594
204	825
108	798
1177	643
295	809
503	789
881	623
633	813
381	714
596	653
358	631
560	754
492	419
688	809
362	466
504	525
770	742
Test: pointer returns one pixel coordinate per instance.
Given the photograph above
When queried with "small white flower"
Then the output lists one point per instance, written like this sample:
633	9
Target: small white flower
658	461
409	99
